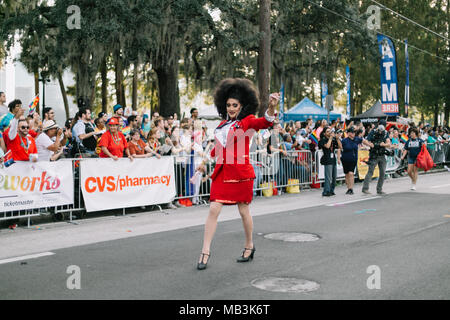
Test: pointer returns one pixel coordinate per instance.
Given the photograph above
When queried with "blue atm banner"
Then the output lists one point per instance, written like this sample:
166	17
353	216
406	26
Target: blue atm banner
389	83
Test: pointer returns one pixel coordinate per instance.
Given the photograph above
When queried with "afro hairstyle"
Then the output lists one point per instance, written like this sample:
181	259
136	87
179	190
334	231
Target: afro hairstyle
239	89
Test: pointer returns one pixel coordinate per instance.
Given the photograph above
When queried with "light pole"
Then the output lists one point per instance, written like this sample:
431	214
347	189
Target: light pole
43	78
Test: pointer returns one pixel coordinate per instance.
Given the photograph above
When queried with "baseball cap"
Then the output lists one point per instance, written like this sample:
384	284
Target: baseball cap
351	130
113	121
117	107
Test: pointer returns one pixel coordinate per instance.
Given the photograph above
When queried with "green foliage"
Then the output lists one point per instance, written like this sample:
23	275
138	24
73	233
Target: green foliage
205	41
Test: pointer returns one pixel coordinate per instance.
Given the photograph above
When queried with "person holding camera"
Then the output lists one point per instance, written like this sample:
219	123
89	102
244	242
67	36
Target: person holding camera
378	142
330	145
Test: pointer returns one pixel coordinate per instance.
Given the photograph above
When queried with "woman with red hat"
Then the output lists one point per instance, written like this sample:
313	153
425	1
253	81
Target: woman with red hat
232	180
113	142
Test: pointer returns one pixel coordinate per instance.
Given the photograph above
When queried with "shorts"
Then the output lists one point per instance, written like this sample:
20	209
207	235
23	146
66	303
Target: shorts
412	160
349	166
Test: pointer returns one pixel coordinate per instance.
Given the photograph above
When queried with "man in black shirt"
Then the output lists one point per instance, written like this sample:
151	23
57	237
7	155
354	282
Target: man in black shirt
330	145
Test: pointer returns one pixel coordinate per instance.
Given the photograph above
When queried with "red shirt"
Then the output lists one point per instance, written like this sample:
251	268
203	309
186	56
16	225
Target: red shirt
21	148
33	133
6	138
114	145
138	150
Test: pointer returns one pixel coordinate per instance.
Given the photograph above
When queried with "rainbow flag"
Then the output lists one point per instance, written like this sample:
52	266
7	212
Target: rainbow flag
33	105
314	137
404	138
126	131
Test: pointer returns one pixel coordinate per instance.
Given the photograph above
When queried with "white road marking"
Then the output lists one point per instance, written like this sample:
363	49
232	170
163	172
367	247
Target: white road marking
31	256
441	186
351	201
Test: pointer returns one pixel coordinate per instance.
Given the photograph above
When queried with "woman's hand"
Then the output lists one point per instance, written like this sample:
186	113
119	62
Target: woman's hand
273	102
115	158
274	98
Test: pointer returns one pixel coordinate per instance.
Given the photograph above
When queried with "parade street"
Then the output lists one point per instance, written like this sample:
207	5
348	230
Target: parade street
367	247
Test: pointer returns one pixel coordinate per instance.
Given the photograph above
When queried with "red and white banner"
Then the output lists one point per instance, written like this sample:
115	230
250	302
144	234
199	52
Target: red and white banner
32	185
109	184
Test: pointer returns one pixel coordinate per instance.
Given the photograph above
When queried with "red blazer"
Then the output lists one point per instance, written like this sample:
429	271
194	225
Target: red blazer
233	158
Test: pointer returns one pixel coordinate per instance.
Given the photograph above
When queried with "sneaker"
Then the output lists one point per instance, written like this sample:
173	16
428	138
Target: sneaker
178	205
366	192
413	187
349	191
170	205
332	194
326	194
381	193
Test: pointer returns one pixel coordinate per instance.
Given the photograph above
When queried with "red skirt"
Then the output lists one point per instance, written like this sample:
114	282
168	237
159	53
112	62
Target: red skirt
230	193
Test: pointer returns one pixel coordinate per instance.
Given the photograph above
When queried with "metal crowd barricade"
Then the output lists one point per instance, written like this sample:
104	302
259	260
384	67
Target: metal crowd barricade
191	183
439	152
21	214
295	168
78	204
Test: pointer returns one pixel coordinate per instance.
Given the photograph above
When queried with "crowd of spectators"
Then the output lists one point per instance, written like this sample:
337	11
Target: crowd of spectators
35	138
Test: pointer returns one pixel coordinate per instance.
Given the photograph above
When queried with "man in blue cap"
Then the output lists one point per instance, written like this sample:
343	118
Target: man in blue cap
118	112
378	140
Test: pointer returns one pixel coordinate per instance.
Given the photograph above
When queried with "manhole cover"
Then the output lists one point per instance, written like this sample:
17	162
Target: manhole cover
292	237
287	285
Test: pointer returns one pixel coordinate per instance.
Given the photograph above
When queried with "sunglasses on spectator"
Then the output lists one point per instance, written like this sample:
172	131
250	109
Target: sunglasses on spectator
24	127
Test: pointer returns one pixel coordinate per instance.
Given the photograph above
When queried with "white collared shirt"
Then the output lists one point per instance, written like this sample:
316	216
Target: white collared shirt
222	133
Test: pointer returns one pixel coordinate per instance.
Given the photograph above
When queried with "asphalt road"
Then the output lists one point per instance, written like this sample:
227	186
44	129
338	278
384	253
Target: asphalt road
406	235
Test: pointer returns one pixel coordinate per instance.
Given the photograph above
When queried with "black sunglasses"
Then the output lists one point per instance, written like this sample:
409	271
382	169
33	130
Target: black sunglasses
23	127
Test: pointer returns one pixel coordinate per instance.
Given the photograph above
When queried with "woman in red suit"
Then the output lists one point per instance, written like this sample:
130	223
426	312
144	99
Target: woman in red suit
232	180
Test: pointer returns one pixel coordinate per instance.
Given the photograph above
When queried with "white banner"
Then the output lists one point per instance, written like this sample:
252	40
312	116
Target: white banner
109	184
28	185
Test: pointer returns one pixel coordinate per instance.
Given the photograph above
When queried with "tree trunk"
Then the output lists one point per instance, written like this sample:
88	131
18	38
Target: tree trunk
436	115
169	102
120	88
83	88
447	97
151	98
64	95
447	113
264	55
104	73
135	87
92	96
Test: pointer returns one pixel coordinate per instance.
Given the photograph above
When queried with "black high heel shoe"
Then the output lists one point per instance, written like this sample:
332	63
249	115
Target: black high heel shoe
201	265
250	257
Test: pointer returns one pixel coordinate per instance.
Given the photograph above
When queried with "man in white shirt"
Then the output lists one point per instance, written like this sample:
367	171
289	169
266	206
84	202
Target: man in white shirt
83	137
3	108
44	142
